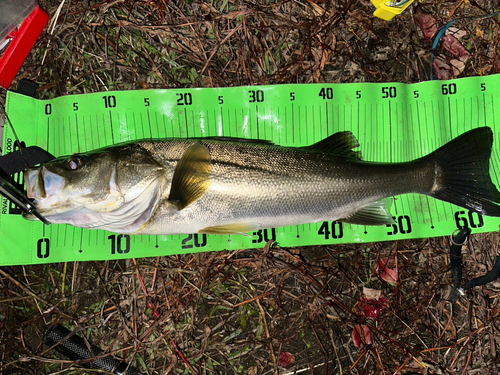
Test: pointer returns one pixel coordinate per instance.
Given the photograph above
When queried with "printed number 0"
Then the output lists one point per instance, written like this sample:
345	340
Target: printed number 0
43	248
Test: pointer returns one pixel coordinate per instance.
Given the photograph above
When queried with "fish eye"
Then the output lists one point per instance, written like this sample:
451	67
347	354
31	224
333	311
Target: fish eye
74	163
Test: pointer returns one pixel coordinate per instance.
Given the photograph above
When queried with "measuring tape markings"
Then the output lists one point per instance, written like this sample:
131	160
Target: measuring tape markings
313	114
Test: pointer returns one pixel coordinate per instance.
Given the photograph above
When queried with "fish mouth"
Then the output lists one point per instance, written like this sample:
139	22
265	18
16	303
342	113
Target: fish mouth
31	178
44	188
42	183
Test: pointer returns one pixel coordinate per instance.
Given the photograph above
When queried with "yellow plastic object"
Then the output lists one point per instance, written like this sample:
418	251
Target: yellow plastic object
388	9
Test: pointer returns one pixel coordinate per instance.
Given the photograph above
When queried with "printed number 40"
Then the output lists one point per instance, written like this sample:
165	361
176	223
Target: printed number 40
326	93
335	230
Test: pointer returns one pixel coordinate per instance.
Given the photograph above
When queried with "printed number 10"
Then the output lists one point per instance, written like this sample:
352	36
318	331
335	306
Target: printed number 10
109	101
117	245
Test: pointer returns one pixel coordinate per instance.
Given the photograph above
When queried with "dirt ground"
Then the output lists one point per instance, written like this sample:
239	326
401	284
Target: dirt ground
267	310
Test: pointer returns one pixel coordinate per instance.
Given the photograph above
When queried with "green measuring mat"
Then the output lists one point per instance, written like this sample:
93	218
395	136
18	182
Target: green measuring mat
392	121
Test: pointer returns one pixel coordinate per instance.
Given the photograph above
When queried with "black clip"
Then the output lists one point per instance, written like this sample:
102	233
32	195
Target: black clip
19	161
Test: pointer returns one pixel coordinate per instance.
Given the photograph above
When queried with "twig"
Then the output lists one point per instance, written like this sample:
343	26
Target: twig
268	336
179	353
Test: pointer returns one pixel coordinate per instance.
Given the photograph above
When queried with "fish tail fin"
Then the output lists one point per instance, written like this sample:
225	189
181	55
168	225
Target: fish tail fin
462	168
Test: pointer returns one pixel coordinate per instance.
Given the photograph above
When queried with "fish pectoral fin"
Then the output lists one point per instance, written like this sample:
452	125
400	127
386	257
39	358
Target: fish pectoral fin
341	143
377	213
239	228
191	177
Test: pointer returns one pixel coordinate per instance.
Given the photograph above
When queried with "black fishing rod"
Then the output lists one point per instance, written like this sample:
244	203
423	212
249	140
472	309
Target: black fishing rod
76	348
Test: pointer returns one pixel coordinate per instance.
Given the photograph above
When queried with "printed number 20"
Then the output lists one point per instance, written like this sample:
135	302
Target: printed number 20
184	98
186	242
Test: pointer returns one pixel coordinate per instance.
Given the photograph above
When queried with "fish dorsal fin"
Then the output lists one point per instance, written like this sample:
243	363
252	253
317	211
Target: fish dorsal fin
341	143
377	213
238	228
191	177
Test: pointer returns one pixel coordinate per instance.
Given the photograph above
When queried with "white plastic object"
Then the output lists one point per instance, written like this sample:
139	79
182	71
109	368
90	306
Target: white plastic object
12	15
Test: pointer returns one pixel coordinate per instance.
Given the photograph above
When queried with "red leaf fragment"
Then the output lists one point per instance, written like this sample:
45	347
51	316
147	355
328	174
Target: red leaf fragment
441	68
286	359
361	335
373	307
385	271
426	23
444	67
452	45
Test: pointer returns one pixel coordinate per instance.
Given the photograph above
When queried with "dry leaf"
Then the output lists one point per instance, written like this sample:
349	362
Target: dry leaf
387	270
361	335
456	32
372	307
426	23
479	32
372	293
441	68
286	359
458	67
452	45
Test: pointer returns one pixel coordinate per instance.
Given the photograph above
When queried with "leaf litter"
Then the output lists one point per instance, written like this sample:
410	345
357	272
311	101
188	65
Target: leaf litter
267	310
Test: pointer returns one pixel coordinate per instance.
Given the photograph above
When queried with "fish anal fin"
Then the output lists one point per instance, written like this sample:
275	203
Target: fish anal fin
341	143
238	228
191	177
377	213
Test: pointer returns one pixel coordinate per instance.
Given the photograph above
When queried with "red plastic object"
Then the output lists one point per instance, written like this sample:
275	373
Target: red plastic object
21	45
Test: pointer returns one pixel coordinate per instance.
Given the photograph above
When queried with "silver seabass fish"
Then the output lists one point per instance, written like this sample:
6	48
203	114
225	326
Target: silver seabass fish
221	185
